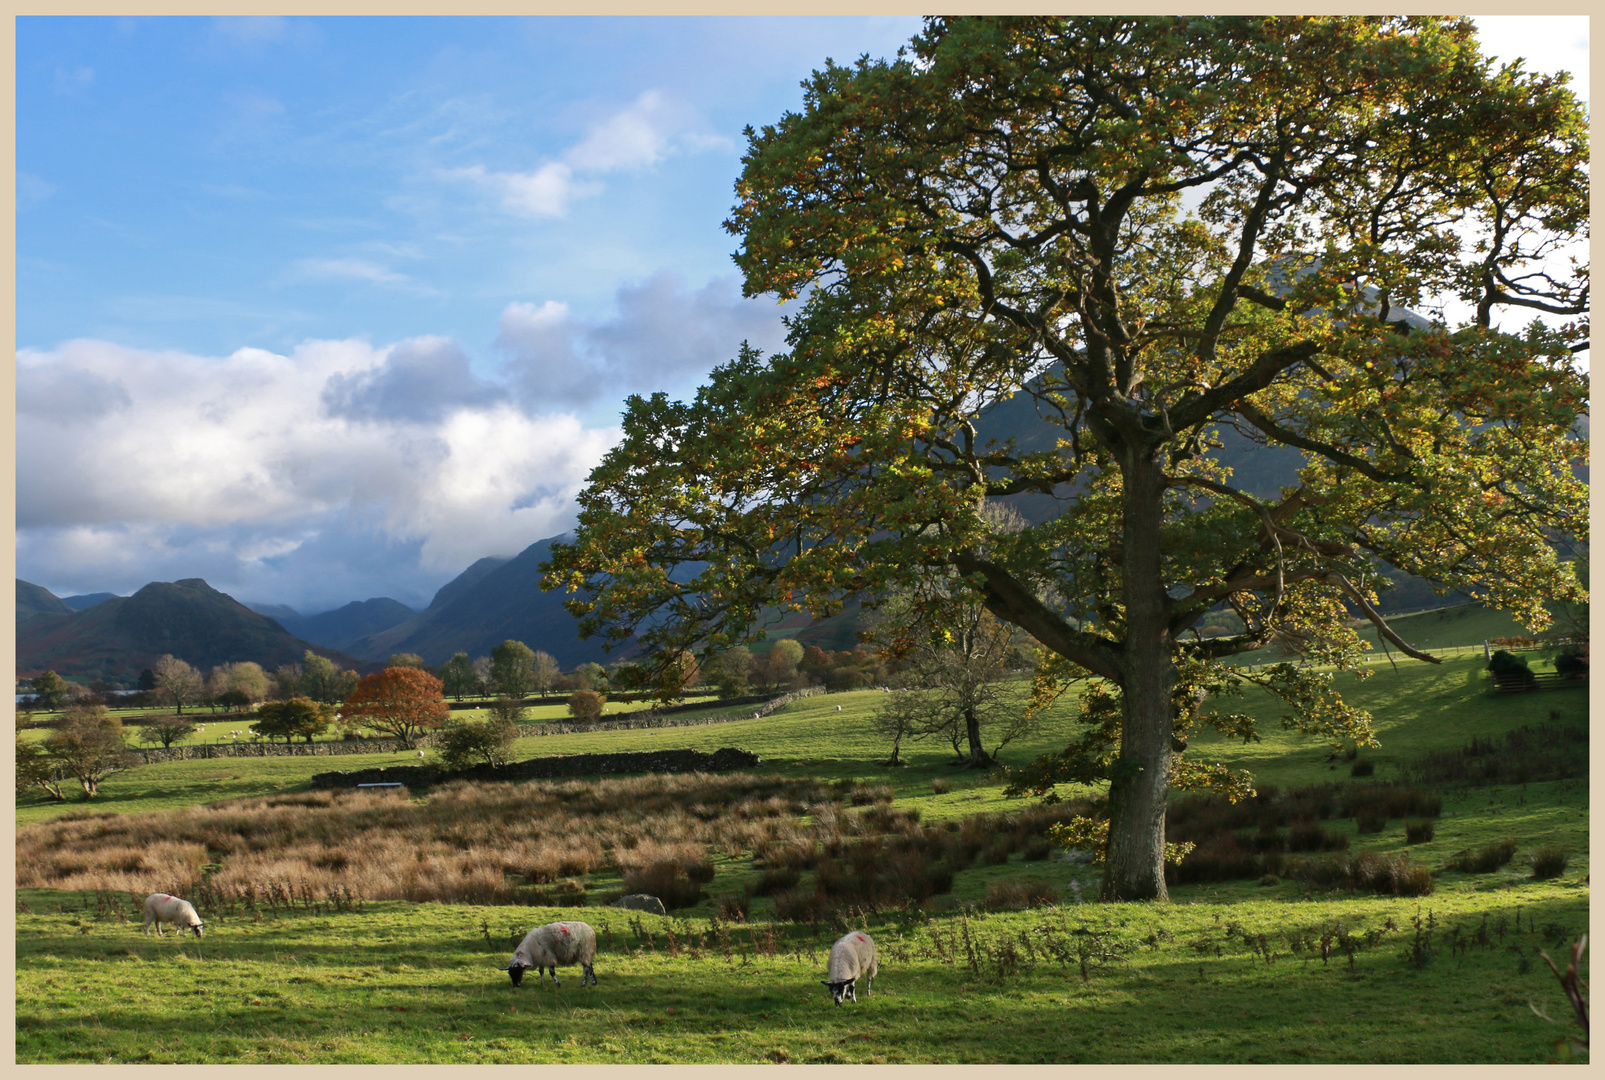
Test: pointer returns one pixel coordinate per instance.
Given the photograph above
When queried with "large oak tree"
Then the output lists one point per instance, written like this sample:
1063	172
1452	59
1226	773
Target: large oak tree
1329	234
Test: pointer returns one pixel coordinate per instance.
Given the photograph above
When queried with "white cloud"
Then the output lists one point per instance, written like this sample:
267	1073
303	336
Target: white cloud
353	269
665	334
132	463
640	135
544	193
633	138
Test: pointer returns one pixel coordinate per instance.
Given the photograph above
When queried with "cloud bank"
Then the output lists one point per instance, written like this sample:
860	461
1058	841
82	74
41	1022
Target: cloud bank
263	472
341	470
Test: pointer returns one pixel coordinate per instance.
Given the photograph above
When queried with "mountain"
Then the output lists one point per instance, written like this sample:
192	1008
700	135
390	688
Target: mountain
337	629
37	600
491	601
87	600
118	638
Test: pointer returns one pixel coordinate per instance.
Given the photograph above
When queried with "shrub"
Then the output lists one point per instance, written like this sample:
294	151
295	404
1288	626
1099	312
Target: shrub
1036	849
508	710
939	879
1362	768
735	907
1393	875
1484	860
798	905
777	879
585	706
1371	820
1549	861
665	881
1418	832
941	786
1313	836
700	871
462	745
996	854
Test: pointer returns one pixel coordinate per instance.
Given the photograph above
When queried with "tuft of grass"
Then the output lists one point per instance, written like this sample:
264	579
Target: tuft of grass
941	785
1418	832
1549	861
1485	859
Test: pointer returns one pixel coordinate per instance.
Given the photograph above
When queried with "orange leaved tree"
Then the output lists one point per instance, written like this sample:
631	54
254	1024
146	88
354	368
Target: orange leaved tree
400	701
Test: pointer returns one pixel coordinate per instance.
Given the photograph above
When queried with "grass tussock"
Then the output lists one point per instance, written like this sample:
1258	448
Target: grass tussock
1483	860
464	843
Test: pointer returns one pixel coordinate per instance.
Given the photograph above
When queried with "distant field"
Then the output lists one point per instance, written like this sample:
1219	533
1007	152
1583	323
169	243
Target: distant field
401	981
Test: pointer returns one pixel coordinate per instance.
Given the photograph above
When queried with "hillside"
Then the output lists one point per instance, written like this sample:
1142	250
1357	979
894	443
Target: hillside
491	601
337	629
117	639
37	600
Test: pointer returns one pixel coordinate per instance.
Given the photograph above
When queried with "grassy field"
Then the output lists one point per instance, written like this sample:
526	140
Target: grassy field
1230	971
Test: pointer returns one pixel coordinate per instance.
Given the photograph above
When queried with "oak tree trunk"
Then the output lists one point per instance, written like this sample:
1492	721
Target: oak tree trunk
1140	780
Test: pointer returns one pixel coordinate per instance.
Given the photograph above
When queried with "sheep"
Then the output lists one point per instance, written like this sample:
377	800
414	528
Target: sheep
851	958
160	908
558	944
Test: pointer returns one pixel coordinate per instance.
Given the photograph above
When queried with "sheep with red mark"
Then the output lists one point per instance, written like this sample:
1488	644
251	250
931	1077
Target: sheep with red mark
555	945
852	957
162	907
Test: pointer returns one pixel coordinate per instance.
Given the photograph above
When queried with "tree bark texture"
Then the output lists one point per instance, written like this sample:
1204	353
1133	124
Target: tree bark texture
1135	861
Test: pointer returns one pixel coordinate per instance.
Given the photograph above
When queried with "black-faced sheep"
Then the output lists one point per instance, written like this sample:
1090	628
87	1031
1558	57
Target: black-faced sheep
160	908
555	945
851	958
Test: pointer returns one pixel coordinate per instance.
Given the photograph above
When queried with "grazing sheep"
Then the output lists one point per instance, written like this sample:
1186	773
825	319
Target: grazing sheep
558	944
851	958
160	908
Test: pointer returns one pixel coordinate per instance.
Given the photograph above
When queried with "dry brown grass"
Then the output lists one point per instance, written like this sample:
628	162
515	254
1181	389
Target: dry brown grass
493	843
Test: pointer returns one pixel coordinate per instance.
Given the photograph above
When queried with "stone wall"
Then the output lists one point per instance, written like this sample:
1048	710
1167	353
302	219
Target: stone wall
653	761
628	722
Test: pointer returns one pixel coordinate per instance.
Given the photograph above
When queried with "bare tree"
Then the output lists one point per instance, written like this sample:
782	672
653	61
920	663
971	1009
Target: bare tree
177	681
546	671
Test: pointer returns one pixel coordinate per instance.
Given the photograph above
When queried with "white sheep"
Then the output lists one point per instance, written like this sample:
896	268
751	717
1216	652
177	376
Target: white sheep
851	958
558	944
160	908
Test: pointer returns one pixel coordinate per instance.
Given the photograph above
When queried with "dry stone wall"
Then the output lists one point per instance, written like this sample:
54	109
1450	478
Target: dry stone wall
653	761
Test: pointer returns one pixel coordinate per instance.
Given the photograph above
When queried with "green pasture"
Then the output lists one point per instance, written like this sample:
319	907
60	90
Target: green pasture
1227	972
1194	981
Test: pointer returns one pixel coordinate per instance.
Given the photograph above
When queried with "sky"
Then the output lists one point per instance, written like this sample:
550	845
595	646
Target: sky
326	309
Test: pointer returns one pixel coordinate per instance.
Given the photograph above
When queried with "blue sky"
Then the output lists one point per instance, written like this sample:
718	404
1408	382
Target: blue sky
325	309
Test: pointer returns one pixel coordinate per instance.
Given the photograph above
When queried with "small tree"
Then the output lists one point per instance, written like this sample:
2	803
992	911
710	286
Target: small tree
465	744
167	730
178	682
512	669
508	710
234	700
591	676
545	671
37	767
902	714
403	702
321	678
88	745
586	706
732	672
457	676
297	717
50	689
405	659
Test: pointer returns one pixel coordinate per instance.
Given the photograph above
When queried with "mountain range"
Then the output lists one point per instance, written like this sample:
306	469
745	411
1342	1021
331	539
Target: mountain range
114	640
